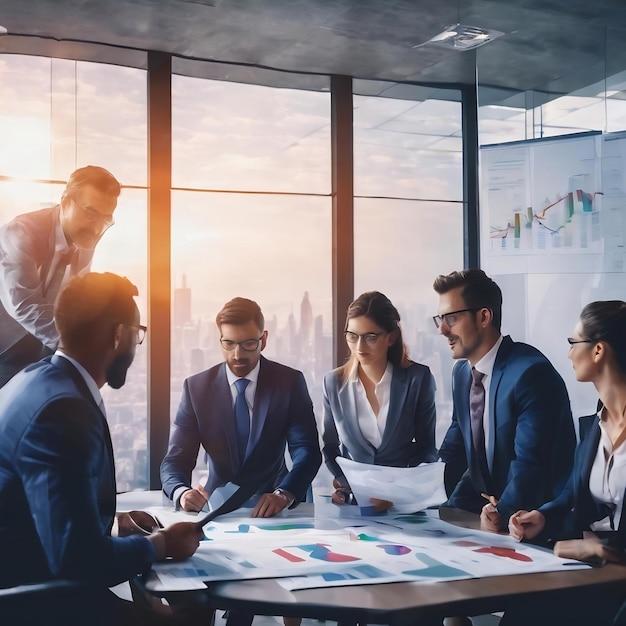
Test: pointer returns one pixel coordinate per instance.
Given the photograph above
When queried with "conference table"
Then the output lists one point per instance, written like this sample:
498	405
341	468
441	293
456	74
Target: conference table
397	603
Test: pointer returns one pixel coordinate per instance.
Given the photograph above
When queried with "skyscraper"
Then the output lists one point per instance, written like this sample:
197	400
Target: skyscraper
182	305
306	320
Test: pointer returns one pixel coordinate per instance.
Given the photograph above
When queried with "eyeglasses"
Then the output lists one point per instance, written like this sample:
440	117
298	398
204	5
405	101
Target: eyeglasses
450	319
140	330
369	338
92	216
249	345
573	341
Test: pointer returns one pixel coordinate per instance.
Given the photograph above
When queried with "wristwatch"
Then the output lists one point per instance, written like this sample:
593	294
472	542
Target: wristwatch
284	494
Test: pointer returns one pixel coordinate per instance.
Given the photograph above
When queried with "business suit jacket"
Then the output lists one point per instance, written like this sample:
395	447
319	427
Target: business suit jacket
531	434
57	483
27	245
574	510
409	436
282	414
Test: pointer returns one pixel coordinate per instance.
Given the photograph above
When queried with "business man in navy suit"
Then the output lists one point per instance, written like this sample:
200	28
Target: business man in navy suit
57	473
522	451
274	403
279	410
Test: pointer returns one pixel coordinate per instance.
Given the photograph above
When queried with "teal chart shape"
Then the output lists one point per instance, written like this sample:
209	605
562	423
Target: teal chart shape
435	569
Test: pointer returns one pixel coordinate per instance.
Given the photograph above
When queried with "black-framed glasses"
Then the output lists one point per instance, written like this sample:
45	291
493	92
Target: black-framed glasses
140	331
92	216
249	345
369	338
450	319
573	342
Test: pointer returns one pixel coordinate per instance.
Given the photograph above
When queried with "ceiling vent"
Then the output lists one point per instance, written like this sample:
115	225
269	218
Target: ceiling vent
462	37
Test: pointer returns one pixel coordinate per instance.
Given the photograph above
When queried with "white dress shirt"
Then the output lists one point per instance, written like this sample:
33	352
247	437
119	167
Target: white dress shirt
607	481
250	391
373	426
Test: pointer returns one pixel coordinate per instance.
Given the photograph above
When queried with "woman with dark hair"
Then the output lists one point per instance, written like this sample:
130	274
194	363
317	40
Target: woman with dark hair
588	517
379	407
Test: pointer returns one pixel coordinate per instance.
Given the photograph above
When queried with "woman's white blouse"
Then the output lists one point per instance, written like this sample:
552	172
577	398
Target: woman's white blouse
607	481
373	426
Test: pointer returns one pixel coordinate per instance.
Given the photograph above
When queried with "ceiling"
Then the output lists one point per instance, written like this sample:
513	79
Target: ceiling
552	46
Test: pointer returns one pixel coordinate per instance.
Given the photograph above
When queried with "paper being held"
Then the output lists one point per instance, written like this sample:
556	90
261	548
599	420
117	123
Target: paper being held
410	489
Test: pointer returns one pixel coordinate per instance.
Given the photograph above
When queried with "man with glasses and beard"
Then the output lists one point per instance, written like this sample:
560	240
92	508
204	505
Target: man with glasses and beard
243	412
57	473
39	252
512	427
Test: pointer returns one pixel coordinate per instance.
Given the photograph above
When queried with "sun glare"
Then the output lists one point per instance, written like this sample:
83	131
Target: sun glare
30	141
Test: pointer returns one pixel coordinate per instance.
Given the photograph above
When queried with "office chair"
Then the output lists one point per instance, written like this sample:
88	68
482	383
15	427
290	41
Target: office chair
51	603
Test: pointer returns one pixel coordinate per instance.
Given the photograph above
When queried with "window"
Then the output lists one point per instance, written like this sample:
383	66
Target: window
408	213
269	239
55	116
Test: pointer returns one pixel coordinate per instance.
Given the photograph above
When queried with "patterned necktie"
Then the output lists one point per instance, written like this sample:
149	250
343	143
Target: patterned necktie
242	417
477	411
56	280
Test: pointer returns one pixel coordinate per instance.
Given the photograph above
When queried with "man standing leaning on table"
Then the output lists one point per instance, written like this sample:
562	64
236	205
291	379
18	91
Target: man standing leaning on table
511	425
39	252
57	473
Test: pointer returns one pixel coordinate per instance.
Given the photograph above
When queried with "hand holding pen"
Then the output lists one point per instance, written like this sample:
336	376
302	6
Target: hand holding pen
490	519
342	494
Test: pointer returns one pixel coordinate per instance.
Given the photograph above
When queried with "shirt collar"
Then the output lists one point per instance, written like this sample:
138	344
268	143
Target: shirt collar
384	379
253	376
485	365
91	383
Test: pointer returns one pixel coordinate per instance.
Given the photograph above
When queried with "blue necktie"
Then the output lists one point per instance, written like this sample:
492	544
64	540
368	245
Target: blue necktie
242	417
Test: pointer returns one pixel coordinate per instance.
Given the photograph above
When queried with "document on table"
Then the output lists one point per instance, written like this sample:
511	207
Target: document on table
410	489
304	552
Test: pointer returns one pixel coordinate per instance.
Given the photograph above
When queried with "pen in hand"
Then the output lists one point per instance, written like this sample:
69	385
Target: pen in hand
491	499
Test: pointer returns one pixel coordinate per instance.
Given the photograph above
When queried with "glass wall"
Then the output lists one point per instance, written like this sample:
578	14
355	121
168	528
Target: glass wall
408	214
269	239
251	208
55	116
553	222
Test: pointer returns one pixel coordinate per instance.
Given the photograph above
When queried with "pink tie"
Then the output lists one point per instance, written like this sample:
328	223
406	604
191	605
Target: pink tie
477	411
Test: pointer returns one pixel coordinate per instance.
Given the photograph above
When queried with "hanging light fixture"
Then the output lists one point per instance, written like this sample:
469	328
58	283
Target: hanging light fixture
462	37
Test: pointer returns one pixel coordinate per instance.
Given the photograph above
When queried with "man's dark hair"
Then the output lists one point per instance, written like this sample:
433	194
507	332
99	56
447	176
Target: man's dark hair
91	305
477	289
240	311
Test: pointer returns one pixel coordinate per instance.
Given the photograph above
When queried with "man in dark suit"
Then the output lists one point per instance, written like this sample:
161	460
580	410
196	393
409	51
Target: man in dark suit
272	401
39	252
57	473
517	443
277	410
